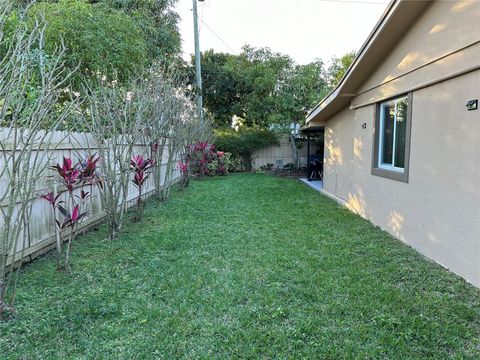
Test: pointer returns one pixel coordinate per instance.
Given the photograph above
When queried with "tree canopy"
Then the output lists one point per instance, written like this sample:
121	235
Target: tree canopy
244	142
108	38
265	88
339	67
159	24
222	88
99	40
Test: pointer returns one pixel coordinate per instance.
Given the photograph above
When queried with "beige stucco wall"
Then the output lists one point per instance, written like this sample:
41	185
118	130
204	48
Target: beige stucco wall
438	210
443	41
337	170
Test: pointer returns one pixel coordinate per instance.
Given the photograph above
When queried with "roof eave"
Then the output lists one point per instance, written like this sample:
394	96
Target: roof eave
345	90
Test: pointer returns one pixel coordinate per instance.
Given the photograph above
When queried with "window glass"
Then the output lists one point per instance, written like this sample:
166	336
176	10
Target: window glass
387	133
400	133
392	139
393	132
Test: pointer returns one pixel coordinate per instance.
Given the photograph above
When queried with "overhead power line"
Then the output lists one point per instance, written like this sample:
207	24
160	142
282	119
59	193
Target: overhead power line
333	1
219	37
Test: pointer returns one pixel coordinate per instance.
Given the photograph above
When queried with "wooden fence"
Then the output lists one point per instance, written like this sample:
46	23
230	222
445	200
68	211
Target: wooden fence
41	226
282	152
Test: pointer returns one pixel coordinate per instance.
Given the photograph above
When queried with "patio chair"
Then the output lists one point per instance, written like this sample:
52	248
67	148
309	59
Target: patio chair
279	168
288	169
316	170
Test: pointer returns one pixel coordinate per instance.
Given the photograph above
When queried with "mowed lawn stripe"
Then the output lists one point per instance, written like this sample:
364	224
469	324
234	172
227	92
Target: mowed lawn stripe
243	266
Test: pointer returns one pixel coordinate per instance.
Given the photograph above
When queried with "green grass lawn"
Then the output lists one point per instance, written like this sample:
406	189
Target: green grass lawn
244	266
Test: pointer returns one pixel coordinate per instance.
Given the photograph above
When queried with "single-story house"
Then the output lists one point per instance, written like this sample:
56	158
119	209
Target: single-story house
402	131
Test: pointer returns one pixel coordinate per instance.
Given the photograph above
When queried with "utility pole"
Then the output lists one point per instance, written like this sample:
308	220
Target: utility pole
198	66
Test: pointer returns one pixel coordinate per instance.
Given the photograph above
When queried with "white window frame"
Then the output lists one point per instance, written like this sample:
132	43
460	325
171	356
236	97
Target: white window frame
381	164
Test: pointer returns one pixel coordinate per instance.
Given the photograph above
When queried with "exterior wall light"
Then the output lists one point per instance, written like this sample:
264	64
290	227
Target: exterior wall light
472	105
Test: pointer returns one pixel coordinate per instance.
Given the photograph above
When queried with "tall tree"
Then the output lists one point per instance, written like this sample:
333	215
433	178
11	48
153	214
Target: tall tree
266	74
339	67
99	40
222	86
112	38
159	23
260	86
303	88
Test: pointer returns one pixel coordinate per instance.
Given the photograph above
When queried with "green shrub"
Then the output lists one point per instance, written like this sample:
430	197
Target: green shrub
267	167
232	163
99	40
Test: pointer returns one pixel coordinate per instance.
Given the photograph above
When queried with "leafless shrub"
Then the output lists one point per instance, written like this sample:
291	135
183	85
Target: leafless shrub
161	90
30	87
172	124
115	122
184	128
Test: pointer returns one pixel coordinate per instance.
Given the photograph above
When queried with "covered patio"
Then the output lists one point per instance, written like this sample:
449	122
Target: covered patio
314	184
314	133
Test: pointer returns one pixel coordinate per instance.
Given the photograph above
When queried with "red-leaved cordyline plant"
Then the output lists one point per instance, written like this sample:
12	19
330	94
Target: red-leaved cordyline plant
199	155
141	172
69	174
205	160
183	167
72	177
88	171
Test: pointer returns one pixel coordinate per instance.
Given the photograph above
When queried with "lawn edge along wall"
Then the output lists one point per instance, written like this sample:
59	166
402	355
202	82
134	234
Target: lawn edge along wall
343	203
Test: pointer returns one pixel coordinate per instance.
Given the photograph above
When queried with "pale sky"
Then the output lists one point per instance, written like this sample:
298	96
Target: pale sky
303	29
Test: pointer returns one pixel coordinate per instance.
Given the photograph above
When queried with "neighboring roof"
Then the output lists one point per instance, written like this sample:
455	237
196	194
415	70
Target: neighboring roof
393	24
